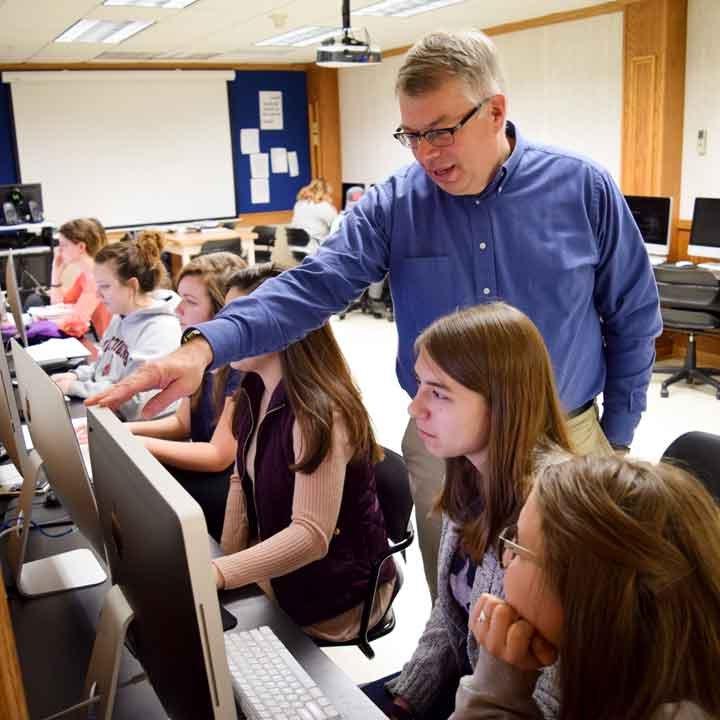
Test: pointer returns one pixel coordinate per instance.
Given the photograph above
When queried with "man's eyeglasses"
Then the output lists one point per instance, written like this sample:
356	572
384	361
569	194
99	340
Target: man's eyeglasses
438	137
508	547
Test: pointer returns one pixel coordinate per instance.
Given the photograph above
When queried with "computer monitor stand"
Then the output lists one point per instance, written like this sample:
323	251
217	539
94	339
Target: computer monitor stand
65	571
102	676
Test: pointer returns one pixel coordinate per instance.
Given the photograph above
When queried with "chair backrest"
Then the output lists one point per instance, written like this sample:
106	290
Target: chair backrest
297	237
213	246
698	453
265	235
393	489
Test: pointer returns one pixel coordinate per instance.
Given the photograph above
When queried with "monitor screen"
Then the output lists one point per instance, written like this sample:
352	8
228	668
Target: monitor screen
26	199
705	233
12	289
54	437
159	555
653	217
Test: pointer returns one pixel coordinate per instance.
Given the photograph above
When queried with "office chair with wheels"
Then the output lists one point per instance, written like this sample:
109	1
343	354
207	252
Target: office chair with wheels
213	246
699	453
264	241
393	488
689	303
298	241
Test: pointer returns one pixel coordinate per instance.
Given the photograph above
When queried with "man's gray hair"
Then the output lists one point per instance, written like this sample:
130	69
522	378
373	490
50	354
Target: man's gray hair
470	57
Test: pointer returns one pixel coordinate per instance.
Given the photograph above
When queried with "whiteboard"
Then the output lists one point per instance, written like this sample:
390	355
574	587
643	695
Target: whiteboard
127	147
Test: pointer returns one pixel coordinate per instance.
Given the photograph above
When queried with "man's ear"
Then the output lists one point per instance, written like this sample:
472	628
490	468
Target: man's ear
498	110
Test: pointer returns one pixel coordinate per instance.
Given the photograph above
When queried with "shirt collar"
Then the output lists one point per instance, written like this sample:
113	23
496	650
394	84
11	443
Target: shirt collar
497	184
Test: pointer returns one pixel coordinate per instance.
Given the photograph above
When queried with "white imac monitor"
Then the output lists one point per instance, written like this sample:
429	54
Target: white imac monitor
653	216
54	438
705	233
159	555
12	290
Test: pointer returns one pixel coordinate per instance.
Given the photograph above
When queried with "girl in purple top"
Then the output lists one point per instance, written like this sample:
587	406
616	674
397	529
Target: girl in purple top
203	465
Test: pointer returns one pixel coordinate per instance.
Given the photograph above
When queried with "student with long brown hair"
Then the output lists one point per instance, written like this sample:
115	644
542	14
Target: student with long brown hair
616	565
303	519
487	404
72	279
202	466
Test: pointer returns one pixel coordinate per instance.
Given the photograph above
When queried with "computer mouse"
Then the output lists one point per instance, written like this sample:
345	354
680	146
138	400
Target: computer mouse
52	500
683	263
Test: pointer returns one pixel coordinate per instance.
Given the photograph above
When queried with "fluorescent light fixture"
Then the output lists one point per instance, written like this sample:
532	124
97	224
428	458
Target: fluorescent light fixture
103	31
300	37
404	8
166	4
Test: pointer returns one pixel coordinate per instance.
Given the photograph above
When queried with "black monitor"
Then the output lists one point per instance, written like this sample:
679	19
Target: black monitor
653	216
159	554
20	204
705	233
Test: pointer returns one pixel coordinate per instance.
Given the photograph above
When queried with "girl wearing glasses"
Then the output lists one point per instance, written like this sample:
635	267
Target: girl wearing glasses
486	402
617	564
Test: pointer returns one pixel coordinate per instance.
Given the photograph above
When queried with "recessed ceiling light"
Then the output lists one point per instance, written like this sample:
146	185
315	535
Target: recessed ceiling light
168	4
102	31
300	37
404	8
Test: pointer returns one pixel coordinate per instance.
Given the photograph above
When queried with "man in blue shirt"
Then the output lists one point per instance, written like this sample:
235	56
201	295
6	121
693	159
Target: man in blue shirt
482	214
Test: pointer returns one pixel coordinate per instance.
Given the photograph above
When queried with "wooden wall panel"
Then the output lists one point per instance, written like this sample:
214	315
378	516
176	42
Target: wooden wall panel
12	693
640	175
655	35
324	118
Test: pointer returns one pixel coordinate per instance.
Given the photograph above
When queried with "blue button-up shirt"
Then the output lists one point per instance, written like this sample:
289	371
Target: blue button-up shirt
551	234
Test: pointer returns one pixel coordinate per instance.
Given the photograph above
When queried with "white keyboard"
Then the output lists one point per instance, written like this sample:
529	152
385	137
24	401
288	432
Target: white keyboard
268	681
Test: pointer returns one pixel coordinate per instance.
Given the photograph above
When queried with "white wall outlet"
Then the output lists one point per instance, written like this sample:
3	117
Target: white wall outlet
702	141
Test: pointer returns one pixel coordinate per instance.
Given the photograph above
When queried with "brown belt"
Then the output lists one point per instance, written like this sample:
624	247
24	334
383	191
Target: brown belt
580	410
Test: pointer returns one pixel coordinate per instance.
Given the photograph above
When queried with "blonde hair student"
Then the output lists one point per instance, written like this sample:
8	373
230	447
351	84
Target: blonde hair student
303	518
128	275
486	404
314	210
72	279
202	466
614	565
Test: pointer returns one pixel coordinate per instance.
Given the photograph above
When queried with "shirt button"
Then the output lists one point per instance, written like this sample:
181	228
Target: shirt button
477	202
486	291
483	246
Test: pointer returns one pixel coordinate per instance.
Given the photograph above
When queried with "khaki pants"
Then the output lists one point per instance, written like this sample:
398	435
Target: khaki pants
427	474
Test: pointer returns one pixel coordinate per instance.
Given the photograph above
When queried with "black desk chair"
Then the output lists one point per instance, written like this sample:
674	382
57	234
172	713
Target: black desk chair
393	488
264	241
690	303
698	453
297	240
213	246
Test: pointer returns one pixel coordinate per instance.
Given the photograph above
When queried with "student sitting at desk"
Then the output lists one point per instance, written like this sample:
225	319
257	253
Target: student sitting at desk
303	518
615	566
314	211
487	404
203	466
144	325
72	278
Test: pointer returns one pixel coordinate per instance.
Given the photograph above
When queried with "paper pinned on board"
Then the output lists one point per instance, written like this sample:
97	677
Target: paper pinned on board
259	191
271	109
279	159
292	160
249	141
259	165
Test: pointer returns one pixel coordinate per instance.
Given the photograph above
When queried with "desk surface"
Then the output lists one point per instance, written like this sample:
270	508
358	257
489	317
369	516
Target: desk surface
54	636
27	226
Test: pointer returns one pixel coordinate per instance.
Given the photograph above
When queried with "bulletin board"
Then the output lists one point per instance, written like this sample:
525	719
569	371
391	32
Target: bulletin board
269	123
8	161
